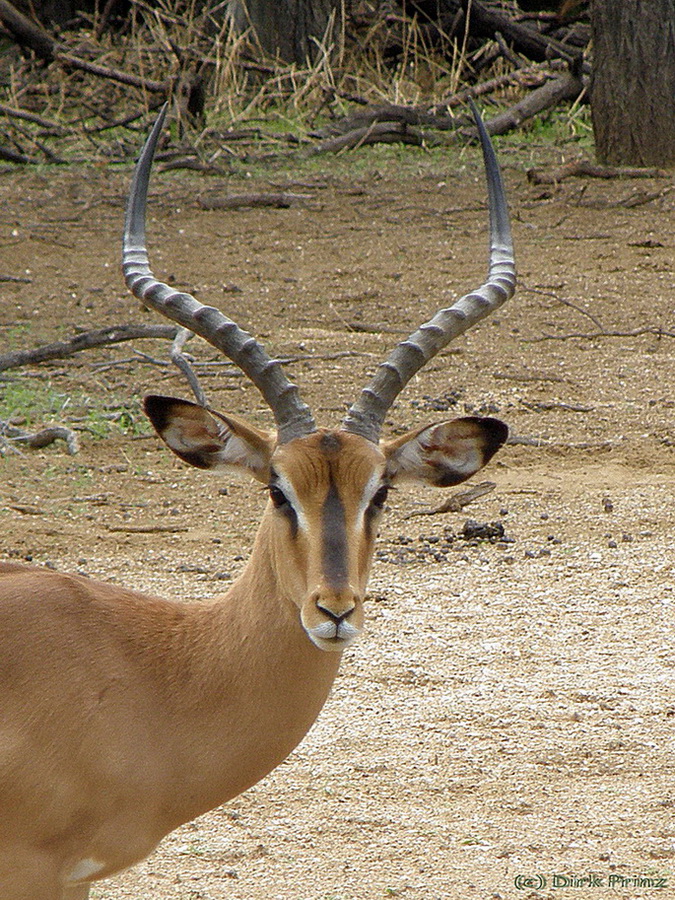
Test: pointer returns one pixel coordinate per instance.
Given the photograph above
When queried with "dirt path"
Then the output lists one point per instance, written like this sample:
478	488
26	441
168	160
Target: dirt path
508	720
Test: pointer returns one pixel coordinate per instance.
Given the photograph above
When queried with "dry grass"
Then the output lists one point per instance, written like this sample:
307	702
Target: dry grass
196	55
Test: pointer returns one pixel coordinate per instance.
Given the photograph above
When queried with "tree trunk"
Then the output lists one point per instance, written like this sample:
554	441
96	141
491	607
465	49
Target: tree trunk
633	91
290	30
53	12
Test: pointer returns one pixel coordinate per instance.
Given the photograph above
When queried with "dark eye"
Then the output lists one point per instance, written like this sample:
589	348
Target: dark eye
277	497
380	497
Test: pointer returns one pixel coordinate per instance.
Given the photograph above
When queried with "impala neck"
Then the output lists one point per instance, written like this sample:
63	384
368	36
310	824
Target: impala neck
256	702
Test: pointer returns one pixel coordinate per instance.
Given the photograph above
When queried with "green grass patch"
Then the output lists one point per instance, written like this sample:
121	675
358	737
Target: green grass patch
32	403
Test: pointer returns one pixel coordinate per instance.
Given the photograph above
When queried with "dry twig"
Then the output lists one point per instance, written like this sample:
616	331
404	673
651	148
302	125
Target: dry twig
458	500
584	168
114	334
275	200
591	336
10	434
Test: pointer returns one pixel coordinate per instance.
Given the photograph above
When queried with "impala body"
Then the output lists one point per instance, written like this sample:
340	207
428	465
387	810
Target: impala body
123	715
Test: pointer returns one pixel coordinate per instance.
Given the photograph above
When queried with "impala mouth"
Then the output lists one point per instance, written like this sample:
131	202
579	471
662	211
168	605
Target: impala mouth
333	635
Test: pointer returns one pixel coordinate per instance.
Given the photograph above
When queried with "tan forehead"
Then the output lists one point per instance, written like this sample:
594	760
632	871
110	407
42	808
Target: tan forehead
312	463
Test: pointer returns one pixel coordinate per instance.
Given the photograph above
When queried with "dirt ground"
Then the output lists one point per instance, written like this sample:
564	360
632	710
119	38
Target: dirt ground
506	726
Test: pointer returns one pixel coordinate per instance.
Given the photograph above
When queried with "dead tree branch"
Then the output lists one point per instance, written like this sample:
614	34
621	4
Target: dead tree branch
458	500
565	87
532	76
591	336
102	337
179	359
26	33
31	36
69	61
10	434
584	168
484	20
378	132
275	200
12	113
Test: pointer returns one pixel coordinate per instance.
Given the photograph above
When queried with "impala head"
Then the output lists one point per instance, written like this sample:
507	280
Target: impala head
327	487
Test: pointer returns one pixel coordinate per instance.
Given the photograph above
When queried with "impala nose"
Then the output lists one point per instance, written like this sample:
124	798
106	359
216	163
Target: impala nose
336	617
333	618
337	606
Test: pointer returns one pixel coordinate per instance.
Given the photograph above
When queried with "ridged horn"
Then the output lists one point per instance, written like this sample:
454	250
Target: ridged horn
366	416
292	416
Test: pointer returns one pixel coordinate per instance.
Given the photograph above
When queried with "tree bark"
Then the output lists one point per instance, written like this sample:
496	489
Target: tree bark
293	31
26	32
633	90
566	87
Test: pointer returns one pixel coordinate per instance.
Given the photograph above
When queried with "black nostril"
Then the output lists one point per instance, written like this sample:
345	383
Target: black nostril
335	617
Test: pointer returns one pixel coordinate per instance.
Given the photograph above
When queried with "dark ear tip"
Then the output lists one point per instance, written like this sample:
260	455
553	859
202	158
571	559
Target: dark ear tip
498	430
495	433
150	402
157	408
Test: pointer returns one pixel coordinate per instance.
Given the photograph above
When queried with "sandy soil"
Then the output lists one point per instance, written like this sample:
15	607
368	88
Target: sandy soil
508	720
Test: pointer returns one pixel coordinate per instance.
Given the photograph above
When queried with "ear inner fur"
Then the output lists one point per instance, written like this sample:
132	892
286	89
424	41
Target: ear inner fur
446	453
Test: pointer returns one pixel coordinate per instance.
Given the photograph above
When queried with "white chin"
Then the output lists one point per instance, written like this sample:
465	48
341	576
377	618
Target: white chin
328	636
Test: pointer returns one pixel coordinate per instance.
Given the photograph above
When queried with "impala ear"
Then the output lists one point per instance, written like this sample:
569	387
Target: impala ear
447	453
208	439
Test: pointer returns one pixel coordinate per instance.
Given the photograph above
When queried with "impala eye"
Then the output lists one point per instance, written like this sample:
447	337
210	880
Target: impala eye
380	497
277	496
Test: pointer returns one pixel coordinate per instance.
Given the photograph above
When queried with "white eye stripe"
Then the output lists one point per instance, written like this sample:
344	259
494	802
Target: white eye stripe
288	490
373	485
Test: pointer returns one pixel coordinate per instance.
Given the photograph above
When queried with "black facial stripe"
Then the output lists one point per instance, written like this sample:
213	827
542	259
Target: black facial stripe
369	515
292	517
334	539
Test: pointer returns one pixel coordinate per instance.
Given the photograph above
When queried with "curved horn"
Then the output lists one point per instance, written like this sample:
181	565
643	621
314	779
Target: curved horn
366	416
293	417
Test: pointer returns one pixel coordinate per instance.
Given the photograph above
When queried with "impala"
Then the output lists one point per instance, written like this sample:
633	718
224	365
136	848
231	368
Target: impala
123	715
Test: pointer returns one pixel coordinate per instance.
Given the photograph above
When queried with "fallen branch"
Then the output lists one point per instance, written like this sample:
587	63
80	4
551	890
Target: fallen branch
181	361
68	61
458	500
13	113
565	302
365	117
38	440
485	20
29	34
532	76
276	200
114	334
147	529
550	94
378	132
363	328
591	336
15	279
643	197
14	157
192	164
584	168
543	406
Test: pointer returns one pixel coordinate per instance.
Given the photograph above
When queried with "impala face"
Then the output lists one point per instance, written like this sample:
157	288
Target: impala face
327	490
